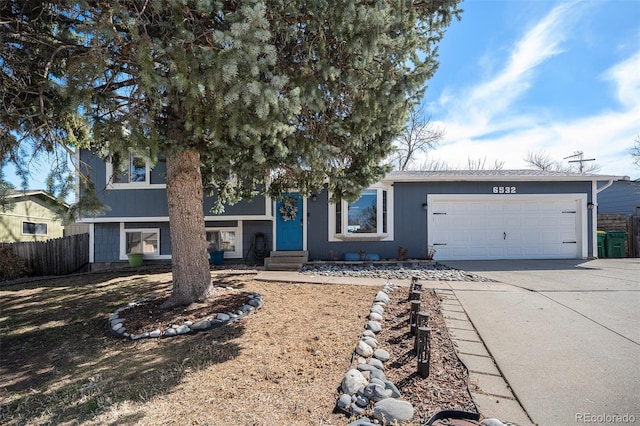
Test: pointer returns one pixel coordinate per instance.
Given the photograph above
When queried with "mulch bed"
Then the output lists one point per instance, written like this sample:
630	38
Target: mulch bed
446	386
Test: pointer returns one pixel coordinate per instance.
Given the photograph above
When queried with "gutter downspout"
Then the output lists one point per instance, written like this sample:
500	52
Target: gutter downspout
594	214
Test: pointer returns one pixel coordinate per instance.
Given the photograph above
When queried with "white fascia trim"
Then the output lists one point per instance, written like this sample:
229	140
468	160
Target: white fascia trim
505	178
166	219
579	198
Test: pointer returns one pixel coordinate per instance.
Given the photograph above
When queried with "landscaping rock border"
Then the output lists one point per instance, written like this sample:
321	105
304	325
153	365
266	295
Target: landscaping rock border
427	271
117	325
365	390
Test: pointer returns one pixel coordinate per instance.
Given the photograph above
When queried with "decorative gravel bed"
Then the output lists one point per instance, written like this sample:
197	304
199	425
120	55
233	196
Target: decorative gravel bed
428	271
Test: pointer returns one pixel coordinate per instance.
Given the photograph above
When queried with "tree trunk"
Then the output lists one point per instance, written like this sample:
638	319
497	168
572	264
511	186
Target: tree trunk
190	265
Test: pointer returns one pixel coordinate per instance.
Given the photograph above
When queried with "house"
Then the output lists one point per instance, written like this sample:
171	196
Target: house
503	214
621	197
32	215
619	210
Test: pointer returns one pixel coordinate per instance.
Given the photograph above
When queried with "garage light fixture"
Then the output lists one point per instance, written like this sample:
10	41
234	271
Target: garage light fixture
425	206
590	205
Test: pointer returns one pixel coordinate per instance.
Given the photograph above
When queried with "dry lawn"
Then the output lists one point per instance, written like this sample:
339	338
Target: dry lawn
280	365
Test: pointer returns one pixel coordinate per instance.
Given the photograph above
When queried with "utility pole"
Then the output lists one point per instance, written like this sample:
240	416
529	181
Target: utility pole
580	159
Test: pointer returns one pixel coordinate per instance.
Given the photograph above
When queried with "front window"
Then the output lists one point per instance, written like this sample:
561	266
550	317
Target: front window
224	239
363	213
33	228
368	217
142	241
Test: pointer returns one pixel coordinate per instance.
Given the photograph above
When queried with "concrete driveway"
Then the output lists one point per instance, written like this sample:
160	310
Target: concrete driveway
564	333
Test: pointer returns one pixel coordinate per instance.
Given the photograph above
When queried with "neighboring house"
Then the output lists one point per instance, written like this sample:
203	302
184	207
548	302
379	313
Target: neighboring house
504	214
32	215
622	197
619	210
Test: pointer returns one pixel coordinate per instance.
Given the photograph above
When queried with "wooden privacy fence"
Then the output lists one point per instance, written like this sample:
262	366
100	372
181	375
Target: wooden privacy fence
59	256
621	222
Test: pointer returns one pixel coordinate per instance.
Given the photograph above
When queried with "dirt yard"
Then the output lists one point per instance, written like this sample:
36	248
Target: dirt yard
281	365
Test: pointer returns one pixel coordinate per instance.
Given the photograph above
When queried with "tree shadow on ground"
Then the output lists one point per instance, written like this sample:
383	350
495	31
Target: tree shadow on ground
59	361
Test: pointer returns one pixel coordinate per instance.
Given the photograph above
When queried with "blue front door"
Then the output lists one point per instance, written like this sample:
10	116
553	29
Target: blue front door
289	220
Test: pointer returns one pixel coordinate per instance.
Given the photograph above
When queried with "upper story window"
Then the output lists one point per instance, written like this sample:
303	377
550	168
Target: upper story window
367	218
135	173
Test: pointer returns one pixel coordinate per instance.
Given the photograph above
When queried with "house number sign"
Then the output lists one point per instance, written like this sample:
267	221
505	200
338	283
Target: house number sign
504	189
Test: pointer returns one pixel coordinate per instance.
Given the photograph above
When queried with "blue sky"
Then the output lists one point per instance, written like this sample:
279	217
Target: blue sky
539	76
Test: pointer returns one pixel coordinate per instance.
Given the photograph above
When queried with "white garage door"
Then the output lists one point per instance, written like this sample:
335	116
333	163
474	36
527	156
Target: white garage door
495	227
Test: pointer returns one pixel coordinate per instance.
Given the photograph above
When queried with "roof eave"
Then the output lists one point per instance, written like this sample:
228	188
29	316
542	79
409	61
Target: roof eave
494	178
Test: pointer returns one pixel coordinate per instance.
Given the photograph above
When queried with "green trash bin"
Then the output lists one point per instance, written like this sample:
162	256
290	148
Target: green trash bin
601	237
615	244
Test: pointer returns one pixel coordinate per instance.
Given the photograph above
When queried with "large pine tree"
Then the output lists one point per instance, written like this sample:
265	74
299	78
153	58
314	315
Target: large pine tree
239	96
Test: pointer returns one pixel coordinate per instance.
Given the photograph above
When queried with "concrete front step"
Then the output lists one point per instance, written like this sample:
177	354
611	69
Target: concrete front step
286	260
281	266
291	253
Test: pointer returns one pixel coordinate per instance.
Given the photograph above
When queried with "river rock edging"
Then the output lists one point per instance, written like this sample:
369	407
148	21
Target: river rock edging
117	324
365	390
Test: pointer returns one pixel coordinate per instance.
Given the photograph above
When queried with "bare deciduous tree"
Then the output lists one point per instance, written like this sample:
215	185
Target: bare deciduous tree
419	136
543	161
434	165
635	151
481	164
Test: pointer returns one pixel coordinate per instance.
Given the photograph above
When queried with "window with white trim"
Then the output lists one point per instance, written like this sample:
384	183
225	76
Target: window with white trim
225	239
367	218
135	173
146	241
34	228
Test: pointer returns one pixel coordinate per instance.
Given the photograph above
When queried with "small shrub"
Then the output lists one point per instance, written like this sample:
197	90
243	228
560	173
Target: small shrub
11	266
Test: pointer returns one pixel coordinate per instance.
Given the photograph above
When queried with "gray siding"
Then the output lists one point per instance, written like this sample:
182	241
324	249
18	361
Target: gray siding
249	231
133	203
410	220
107	236
621	197
106	242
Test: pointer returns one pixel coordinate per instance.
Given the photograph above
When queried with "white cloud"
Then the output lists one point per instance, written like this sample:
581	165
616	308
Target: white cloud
626	76
481	122
475	109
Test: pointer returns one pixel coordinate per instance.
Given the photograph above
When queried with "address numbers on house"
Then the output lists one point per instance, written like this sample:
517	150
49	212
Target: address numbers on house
504	189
